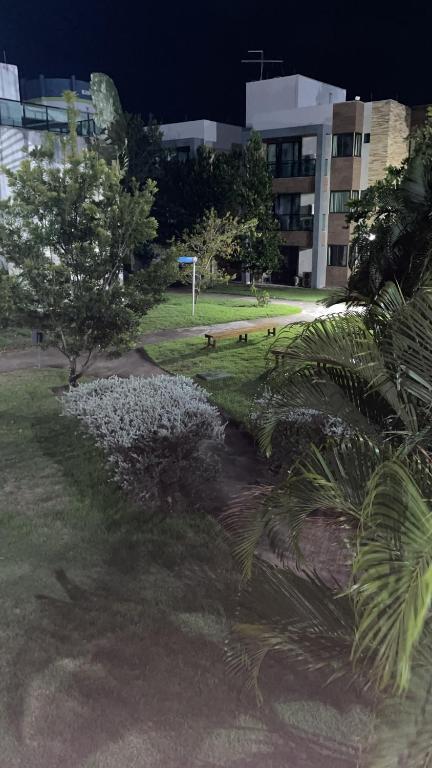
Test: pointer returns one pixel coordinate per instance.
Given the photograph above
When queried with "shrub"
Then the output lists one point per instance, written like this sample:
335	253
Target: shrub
160	434
262	297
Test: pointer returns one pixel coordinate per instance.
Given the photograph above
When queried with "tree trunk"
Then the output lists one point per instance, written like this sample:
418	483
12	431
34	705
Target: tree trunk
73	375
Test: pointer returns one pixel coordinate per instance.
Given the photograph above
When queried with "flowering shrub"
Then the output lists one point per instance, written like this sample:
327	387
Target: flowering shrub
159	434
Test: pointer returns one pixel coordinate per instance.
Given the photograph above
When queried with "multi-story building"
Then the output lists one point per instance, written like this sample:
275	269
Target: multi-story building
185	138
322	151
23	122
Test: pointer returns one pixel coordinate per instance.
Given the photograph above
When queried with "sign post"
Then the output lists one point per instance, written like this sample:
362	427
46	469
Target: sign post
190	260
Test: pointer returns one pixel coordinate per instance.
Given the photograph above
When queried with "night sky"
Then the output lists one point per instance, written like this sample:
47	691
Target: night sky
181	60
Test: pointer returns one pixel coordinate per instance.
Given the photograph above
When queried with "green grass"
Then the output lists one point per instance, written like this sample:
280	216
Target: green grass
292	294
176	311
112	624
15	338
247	362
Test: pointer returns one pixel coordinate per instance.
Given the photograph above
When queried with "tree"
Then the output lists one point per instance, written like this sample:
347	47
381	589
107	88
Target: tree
187	189
212	240
145	150
254	199
67	230
373	477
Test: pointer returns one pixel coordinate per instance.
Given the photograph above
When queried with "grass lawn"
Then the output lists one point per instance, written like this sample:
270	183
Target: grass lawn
112	626
176	311
14	338
292	294
247	362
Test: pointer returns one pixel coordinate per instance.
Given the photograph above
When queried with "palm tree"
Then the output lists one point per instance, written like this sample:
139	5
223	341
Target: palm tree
371	372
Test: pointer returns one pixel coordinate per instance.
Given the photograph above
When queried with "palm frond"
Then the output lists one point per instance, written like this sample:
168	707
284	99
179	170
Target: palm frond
393	593
296	615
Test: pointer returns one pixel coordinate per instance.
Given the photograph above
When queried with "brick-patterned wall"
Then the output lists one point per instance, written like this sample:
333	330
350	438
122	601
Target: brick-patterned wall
389	137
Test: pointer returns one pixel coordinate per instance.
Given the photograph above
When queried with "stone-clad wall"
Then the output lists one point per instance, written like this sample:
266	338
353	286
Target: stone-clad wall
389	137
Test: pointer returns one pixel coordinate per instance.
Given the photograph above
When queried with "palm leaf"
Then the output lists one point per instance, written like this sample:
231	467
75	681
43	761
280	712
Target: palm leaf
394	569
296	615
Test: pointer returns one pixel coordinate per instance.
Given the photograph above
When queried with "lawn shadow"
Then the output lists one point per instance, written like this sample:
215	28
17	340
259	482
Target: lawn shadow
110	660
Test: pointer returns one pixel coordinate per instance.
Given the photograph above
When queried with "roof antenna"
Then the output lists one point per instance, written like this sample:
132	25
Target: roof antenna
261	60
4	56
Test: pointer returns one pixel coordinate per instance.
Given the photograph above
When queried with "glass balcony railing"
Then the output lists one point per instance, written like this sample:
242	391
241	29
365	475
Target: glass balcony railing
38	117
294	168
296	222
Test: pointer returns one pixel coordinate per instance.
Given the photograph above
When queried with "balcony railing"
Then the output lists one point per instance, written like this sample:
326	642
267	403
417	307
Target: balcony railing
38	117
296	222
304	167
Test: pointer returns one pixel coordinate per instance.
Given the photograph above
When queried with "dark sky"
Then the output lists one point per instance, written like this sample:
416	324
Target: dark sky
181	59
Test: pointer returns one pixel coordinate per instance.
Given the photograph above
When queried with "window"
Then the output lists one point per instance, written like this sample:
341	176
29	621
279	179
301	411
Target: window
183	154
337	255
346	144
285	160
339	200
366	138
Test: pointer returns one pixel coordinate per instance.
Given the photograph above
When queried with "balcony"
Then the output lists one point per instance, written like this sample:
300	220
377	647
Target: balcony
293	169
38	117
295	222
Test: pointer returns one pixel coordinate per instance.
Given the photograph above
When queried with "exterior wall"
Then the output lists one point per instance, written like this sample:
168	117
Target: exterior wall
336	277
390	127
345	173
295	185
338	230
194	133
9	82
305	260
348	117
14	145
285	102
301	239
367	127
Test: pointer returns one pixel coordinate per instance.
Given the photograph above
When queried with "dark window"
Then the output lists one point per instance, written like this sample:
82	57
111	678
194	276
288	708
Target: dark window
346	144
339	200
284	159
366	138
337	255
183	153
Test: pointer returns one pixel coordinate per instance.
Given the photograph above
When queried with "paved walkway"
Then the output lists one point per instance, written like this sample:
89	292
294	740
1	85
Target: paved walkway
135	361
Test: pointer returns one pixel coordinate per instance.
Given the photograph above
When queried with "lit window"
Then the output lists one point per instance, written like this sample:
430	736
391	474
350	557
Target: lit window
337	255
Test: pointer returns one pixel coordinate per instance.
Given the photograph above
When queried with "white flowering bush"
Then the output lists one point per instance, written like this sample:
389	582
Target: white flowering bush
160	434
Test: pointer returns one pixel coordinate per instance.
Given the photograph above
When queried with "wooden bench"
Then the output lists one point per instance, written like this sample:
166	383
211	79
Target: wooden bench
212	337
278	353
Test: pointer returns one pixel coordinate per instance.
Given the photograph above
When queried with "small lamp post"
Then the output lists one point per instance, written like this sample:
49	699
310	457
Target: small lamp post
190	260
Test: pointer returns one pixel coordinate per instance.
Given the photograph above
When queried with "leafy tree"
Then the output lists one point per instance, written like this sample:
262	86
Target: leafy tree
145	150
254	199
213	239
68	229
374	479
188	189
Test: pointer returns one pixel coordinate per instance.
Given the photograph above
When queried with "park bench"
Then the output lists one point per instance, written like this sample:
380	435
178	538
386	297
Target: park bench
278	353
213	336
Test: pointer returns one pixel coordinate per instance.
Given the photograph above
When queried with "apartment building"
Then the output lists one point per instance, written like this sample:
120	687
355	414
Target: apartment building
185	138
322	151
24	121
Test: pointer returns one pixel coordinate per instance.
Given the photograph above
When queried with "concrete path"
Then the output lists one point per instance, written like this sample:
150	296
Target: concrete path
135	362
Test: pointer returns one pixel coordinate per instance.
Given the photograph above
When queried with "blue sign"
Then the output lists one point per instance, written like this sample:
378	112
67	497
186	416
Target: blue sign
186	259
